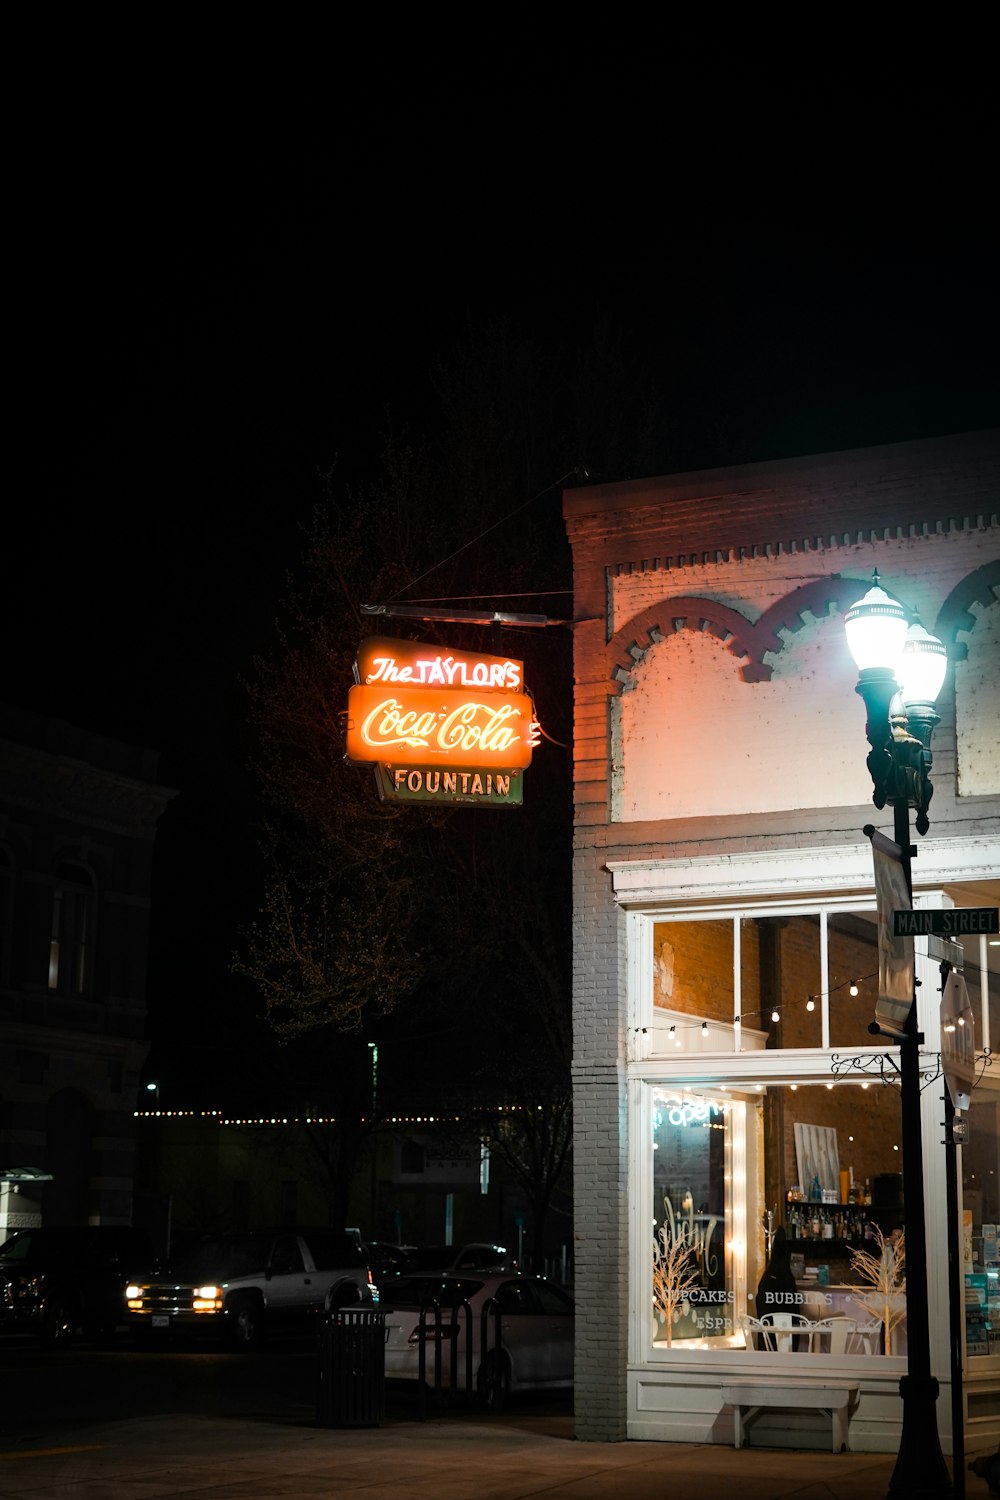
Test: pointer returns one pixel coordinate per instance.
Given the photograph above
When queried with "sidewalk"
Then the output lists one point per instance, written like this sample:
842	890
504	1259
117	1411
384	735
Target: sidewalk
202	1458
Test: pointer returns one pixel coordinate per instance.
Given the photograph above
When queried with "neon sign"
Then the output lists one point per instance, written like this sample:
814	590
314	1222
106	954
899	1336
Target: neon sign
424	726
407	662
465	714
685	1113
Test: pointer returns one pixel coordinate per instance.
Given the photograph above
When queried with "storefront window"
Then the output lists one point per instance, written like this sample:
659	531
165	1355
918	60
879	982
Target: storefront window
802	1182
699	1197
762	982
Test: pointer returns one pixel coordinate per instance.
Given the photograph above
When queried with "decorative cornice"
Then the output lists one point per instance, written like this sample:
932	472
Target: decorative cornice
809	546
102	799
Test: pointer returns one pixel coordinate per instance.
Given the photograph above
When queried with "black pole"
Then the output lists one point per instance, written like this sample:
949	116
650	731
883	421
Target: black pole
956	1302
920	1469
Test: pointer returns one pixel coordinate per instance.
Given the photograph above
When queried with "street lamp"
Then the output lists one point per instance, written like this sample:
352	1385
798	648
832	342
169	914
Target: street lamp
901	670
154	1088
373	1049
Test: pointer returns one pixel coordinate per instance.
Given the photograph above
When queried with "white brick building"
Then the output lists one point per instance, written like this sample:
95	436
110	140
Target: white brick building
725	912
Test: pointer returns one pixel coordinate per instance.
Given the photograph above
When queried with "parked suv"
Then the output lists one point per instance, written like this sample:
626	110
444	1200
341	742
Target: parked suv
55	1282
241	1285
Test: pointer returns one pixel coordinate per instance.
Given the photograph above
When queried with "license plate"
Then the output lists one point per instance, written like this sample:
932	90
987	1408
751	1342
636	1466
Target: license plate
160	1320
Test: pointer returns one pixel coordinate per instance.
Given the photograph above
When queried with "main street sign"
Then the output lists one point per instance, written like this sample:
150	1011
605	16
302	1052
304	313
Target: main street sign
956	921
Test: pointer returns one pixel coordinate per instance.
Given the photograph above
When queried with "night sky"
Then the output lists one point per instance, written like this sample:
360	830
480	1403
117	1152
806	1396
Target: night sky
224	292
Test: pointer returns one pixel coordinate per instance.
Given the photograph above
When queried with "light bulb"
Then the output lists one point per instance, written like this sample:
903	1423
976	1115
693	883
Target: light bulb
876	628
810	1003
854	986
704	1028
774	1015
922	666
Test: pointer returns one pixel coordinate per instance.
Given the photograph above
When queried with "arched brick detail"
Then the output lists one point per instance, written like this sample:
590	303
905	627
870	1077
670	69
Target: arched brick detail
981	587
748	642
635	640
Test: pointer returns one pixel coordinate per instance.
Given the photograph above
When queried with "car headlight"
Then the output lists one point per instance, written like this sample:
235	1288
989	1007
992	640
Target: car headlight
132	1292
207	1299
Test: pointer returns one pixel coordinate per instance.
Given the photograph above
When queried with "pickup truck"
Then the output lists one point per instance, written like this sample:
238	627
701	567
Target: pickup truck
244	1285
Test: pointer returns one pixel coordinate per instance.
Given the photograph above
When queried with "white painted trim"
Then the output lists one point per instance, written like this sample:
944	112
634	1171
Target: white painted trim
798	872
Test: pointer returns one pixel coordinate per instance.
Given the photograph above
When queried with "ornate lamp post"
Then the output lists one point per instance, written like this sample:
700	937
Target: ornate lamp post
901	672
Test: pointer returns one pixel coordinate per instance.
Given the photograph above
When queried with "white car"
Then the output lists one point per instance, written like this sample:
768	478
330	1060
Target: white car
536	1324
476	1258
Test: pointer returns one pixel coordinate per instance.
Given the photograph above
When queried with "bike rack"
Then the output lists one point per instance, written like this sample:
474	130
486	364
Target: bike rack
450	1330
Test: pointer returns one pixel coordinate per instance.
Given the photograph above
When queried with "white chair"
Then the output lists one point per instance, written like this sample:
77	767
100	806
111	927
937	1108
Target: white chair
841	1335
778	1332
866	1338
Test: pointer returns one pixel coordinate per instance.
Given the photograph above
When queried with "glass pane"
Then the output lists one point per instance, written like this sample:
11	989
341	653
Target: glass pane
693	1003
699	1262
981	1227
780	1004
693	968
969	958
852	961
843	1210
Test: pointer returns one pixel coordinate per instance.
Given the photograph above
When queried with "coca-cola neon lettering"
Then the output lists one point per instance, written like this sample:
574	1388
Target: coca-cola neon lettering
424	725
469	727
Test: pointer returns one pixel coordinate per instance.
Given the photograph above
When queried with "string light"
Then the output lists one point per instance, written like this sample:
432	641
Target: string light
852	985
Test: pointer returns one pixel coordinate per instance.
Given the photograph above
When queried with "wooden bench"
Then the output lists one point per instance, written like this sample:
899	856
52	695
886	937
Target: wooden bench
748	1397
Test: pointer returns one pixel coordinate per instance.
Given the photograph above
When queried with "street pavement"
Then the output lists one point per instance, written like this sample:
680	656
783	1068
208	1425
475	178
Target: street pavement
513	1456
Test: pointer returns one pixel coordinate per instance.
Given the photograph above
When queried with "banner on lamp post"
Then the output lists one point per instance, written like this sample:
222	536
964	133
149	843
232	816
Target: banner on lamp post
895	954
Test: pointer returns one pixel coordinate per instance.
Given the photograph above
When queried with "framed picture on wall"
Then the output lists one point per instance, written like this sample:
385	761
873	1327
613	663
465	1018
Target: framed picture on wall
817	1155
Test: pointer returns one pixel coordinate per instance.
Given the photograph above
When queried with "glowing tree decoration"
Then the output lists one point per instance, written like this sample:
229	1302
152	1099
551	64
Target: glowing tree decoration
675	1273
885	1271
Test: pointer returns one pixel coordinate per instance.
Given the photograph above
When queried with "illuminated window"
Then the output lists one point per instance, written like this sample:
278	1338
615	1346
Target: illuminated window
745	1258
71	944
761	981
699	1261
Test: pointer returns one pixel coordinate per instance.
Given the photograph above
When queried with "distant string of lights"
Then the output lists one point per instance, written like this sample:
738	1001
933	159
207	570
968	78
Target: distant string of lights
223	1119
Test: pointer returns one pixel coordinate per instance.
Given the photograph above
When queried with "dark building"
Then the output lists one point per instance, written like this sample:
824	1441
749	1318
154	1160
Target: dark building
78	816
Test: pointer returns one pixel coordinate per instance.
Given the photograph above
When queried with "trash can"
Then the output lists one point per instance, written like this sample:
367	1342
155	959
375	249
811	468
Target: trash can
351	1387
